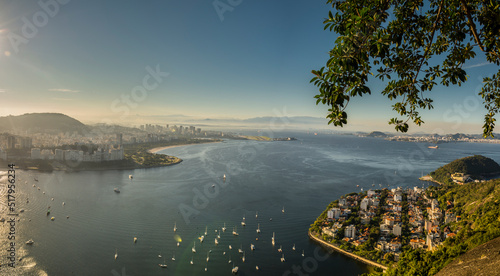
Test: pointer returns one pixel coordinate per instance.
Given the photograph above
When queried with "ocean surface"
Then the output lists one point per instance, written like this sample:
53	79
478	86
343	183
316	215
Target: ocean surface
262	178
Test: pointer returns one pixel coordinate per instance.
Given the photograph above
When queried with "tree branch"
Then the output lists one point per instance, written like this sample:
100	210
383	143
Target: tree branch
472	27
430	42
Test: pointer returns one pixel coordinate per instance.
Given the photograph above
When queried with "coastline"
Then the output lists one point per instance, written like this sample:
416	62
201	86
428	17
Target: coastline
156	150
351	255
429	179
112	165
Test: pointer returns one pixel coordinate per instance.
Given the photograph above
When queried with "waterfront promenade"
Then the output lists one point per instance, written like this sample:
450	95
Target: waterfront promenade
351	255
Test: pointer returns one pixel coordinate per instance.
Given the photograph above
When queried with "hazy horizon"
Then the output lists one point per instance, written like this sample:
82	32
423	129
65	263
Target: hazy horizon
128	62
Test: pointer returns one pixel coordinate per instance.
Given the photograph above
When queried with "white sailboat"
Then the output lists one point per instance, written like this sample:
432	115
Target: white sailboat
256	214
230	247
173	257
191	261
163	265
206	230
216	241
194	247
302	253
201	238
116	253
272	241
235	269
243	222
280	249
240	250
208	256
159	255
178	244
175	226
258	228
224	177
243	258
135	239
283	210
229	260
252	247
293	248
224	228
256	267
234	231
282	257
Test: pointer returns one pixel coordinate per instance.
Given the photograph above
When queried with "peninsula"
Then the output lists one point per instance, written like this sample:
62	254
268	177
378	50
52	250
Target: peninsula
54	141
413	231
136	156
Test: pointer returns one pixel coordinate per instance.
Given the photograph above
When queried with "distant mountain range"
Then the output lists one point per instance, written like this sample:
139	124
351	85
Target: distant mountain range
57	122
42	122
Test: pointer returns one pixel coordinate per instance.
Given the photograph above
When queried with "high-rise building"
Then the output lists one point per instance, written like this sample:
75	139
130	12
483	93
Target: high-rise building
26	142
36	153
119	139
58	155
350	231
11	142
3	155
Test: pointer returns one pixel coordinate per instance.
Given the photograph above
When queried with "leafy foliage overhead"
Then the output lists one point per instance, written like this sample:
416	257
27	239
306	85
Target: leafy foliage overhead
397	41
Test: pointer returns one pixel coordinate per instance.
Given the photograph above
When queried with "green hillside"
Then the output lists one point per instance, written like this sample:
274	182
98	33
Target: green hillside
477	166
42	122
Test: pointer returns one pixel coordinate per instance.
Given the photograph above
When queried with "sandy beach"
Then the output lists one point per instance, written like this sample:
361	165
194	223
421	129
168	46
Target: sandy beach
155	150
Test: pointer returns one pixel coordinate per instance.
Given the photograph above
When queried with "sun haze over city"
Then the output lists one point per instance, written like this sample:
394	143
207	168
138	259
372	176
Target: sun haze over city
132	61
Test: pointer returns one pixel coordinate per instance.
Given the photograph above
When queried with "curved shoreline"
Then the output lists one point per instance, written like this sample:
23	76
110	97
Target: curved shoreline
156	150
351	255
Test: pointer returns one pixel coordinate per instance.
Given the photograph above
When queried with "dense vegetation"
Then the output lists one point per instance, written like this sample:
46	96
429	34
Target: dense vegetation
477	166
478	205
397	42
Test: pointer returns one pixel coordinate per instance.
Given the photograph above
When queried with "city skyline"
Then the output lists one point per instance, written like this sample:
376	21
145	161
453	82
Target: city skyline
103	62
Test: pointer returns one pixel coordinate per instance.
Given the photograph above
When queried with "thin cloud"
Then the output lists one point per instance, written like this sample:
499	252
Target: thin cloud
64	90
477	65
62	99
2	90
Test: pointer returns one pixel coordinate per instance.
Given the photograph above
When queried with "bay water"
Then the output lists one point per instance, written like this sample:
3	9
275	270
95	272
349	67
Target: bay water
262	179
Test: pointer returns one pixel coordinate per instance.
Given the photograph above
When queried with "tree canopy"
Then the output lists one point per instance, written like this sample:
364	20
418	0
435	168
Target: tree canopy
396	41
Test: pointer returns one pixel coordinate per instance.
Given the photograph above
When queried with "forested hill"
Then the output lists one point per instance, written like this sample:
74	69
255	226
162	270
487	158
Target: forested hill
477	166
42	122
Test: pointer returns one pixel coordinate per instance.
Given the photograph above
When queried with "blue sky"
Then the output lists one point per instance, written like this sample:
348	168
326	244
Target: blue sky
87	56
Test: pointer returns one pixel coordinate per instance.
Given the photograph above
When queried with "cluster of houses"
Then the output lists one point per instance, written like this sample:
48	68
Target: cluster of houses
391	224
425	232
